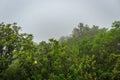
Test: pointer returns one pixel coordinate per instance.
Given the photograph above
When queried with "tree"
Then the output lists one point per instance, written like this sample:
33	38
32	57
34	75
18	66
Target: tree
11	43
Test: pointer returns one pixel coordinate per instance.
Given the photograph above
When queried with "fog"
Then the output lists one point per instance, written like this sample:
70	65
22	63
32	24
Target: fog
55	18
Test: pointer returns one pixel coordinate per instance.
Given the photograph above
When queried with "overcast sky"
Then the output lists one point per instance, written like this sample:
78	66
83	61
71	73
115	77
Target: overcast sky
55	18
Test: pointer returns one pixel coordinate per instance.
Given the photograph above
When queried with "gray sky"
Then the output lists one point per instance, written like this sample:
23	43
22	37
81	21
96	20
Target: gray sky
55	18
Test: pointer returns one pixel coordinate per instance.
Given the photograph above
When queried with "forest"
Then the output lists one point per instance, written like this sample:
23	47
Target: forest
88	53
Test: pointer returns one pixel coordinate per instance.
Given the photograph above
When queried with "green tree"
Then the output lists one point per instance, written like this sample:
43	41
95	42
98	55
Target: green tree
12	43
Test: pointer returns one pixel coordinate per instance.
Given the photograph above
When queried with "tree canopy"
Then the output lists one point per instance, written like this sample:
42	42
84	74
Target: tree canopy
89	53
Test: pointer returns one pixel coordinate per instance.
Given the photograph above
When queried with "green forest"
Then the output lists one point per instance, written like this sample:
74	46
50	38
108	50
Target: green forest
88	53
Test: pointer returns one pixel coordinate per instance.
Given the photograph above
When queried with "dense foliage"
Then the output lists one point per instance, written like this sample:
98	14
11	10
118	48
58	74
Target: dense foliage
89	53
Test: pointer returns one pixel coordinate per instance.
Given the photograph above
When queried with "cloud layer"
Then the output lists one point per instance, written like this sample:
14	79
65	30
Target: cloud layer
54	18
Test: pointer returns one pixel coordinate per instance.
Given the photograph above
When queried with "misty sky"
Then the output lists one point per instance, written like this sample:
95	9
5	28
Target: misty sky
55	18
